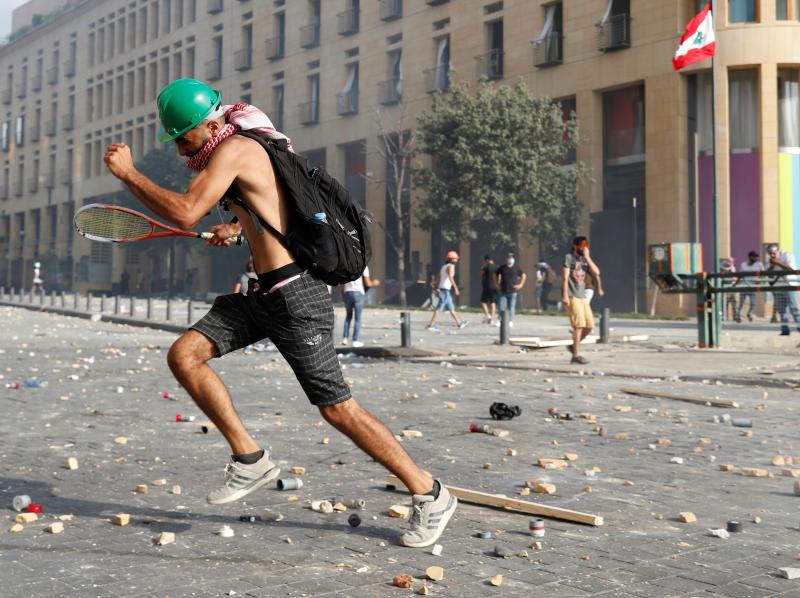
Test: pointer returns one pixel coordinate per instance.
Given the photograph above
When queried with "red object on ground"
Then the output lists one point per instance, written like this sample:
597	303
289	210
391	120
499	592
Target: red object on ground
34	508
474	428
552	411
178	417
165	394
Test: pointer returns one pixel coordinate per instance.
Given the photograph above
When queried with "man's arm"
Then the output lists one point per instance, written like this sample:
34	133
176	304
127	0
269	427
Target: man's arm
183	210
451	271
522	280
593	269
599	281
565	285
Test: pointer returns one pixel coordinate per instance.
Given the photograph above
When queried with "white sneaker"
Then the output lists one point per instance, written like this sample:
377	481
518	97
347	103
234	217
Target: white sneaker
358	344
464	324
511	323
429	517
241	480
344	341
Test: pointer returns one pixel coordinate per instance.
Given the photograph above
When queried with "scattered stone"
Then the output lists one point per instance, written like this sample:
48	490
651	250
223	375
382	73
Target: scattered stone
72	463
704	440
571	456
687	517
620	436
67	517
623	408
525	491
141	489
677	460
435	573
16	528
403	581
325	440
791	473
226	531
450	405
436	550
176	489
26	517
298	470
630	483
789	572
663	441
322	506
537	545
552	463
497	580
778	460
165	538
55	528
503	551
720	533
511	452
544	488
399	511
756	519
587	489
159	482
727	467
339	507
121	519
487	465
747	433
523	554
121	440
269	515
754	472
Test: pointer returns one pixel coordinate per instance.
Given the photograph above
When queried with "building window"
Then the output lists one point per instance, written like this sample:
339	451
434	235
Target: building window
167	19
742	11
5	135
788	109
391	9
276	44
347	99
276	115
243	59
348	20
614	28
439	77
309	111
547	47
19	131
787	10
214	66
391	90
309	34
490	64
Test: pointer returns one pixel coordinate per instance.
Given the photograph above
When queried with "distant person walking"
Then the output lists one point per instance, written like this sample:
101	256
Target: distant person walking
244	280
38	283
447	288
577	265
591	283
489	290
548	279
353	295
785	301
510	278
753	264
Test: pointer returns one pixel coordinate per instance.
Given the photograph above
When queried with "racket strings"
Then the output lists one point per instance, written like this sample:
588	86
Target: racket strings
104	223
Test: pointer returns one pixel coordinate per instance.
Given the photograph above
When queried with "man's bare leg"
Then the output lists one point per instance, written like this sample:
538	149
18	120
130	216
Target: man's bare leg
188	359
455	317
375	439
577	336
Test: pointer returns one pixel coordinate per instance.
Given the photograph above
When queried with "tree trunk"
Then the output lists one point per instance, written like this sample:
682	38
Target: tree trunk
401	260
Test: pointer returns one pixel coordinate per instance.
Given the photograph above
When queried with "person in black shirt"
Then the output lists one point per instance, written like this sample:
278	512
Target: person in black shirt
510	278
489	290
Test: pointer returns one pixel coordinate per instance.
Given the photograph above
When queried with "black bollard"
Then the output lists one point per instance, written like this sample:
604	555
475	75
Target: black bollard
132	307
405	329
169	309
504	327
116	305
189	312
605	323
149	307
63	300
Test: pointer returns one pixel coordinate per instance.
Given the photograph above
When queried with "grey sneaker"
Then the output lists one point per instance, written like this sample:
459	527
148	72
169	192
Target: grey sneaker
579	359
429	517
241	480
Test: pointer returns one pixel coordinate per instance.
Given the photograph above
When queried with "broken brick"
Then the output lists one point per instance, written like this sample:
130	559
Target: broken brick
687	517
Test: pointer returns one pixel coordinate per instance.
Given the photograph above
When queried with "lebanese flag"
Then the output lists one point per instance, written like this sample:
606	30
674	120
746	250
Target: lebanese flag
698	42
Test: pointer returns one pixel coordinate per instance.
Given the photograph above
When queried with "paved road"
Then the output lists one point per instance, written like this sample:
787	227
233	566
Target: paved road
642	550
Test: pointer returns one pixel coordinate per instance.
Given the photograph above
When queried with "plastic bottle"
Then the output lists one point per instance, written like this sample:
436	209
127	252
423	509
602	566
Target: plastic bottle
320	217
35	383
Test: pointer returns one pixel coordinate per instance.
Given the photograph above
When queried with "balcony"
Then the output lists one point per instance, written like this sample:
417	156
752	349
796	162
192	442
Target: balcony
309	113
243	59
36	83
22	89
16	187
347	103
69	67
34	133
52	75
214	6
50	128
549	52
390	92
309	35
614	34
214	70
5	96
275	47
4	191
489	65
348	22
67	122
436	2
50	180
33	185
437	79
65	176
391	9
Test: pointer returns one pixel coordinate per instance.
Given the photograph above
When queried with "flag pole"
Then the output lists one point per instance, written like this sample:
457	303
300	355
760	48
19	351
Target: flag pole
715	202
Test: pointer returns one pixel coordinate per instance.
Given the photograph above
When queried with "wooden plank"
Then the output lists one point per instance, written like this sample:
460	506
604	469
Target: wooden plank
514	504
524	339
657	394
534	343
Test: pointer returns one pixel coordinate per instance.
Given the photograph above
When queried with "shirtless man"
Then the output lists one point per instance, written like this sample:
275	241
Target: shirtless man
291	307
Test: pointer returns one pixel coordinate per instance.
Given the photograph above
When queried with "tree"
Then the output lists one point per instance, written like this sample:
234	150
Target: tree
397	148
499	156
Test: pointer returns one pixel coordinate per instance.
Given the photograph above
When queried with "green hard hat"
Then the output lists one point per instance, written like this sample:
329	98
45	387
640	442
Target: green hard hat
184	104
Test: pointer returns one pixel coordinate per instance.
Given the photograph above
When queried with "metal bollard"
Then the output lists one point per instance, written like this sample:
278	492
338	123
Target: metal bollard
133	307
63	300
53	298
504	327
2	292
169	309
30	296
88	301
102	303
189	312
116	305
75	301
149	307
605	323
41	297
405	329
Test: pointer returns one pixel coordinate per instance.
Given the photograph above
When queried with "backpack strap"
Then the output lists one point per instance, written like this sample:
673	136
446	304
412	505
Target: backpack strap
266	225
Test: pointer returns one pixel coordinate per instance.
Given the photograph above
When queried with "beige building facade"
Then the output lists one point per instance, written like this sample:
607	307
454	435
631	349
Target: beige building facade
327	71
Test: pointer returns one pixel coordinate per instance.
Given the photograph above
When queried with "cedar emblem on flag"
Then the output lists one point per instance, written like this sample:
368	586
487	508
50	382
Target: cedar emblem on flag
698	42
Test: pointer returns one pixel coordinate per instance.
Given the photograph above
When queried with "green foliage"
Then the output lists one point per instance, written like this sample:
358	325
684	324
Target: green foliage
498	156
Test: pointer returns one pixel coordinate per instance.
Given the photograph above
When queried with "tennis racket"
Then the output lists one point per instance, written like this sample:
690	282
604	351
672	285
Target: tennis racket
115	224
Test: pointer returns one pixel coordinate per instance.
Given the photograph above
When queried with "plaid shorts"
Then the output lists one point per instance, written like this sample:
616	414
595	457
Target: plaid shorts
298	319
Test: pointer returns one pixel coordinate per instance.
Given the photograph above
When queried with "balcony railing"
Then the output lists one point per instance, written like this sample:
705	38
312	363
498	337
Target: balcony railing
347	102
33	185
490	65
22	89
214	70
391	10
50	128
65	175
214	6
36	83
69	67
309	113
437	79
49	180
348	22
52	75
436	2
549	51
5	96
16	187
390	92
614	34
243	59
34	133
67	122
275	47
309	35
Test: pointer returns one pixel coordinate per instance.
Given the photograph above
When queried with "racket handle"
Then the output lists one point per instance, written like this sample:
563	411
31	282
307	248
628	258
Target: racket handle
237	239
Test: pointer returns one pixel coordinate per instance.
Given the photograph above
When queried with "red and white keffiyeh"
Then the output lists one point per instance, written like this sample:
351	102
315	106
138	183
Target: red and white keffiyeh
238	117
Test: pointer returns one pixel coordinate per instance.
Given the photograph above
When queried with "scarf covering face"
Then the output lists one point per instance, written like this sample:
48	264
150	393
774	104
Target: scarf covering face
238	117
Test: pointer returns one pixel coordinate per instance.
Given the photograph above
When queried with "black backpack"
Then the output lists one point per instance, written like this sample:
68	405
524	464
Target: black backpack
337	248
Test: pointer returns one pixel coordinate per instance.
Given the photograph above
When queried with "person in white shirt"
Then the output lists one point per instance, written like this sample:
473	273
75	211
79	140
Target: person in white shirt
38	283
447	288
785	301
753	264
244	280
353	294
